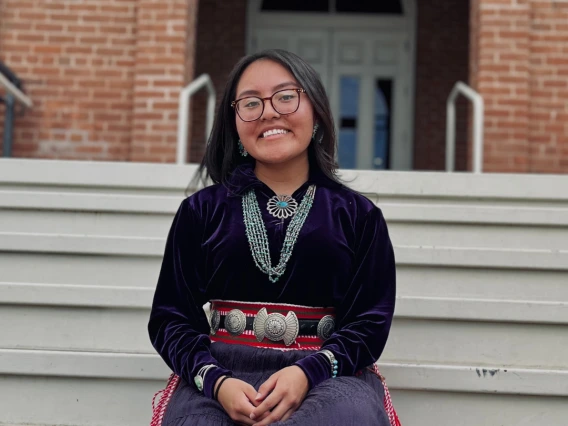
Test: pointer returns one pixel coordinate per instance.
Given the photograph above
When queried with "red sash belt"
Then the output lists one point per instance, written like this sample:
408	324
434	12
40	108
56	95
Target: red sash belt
223	308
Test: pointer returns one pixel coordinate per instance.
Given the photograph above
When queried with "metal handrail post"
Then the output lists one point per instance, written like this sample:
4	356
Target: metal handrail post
13	95
8	125
478	114
184	113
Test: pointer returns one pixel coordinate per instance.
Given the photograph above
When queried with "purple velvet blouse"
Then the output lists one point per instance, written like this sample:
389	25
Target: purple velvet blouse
343	258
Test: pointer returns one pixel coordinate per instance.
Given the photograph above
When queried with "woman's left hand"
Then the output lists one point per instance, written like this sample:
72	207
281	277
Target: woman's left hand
286	389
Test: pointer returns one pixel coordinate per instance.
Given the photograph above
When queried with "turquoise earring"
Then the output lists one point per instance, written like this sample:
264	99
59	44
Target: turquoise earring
242	149
316	127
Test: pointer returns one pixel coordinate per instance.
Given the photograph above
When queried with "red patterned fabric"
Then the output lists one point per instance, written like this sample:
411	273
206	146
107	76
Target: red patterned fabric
389	408
159	410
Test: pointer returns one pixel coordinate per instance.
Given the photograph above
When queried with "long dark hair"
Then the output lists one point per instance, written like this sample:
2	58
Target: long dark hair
222	155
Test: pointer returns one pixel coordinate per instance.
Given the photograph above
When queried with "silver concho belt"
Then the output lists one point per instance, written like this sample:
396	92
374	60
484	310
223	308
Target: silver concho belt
275	327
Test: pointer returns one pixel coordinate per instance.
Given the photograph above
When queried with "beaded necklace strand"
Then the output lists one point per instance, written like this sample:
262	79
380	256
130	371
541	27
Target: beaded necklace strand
258	239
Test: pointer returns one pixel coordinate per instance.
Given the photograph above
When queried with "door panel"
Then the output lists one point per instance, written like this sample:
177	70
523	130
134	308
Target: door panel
373	60
313	46
347	120
383	92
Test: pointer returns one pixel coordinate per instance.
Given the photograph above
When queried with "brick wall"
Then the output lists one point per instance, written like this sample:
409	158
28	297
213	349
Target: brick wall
521	70
76	61
221	39
102	75
548	112
442	58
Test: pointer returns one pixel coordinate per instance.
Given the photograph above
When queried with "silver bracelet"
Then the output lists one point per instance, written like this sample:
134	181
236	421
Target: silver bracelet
199	379
332	361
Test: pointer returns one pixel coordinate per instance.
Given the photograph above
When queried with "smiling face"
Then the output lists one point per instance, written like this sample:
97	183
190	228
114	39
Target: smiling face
274	138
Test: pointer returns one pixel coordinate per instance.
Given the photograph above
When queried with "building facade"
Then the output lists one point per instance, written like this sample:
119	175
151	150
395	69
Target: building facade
105	75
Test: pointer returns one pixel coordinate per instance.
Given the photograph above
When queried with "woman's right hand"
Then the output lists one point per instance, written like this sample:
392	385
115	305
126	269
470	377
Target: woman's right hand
237	397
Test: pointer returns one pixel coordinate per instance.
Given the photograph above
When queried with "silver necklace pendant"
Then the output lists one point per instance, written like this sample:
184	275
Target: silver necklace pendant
282	206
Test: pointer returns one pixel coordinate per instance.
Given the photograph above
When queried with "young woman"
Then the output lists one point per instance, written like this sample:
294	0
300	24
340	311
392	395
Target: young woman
298	268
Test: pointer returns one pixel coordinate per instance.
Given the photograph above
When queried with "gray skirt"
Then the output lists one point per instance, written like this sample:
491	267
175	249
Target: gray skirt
343	401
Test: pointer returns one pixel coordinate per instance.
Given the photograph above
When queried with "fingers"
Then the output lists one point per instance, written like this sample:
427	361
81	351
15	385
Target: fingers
276	415
251	393
243	420
244	406
266	388
242	410
268	404
261	418
235	398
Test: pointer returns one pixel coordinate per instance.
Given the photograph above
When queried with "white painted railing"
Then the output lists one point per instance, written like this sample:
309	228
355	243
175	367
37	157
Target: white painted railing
184	113
479	336
478	112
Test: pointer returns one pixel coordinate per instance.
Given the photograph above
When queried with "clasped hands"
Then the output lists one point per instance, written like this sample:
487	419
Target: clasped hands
276	400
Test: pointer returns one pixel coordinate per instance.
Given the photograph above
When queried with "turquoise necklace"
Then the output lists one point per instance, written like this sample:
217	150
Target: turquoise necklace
258	239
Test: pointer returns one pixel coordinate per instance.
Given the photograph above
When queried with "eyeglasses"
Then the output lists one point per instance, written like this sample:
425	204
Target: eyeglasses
284	102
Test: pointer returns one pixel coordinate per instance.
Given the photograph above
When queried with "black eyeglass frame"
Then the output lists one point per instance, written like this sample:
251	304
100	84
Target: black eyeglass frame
269	98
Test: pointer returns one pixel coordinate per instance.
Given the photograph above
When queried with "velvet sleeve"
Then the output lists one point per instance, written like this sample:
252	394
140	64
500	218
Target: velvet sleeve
364	313
178	326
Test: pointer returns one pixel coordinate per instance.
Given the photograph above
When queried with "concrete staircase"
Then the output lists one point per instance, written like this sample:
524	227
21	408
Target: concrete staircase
481	327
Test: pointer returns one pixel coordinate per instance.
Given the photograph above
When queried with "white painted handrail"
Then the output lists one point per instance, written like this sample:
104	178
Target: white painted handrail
184	113
478	112
13	90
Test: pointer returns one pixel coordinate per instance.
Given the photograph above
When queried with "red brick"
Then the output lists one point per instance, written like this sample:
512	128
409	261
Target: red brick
48	49
81	29
32	16
61	38
48	27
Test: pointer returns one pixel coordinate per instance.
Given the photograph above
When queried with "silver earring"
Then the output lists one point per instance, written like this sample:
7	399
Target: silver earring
242	149
316	127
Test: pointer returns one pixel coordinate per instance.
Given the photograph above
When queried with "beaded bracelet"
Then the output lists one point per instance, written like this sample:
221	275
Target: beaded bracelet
332	361
216	395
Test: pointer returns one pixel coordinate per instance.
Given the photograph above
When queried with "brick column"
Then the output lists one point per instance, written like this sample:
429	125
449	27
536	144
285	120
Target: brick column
441	61
499	58
548	132
164	65
221	37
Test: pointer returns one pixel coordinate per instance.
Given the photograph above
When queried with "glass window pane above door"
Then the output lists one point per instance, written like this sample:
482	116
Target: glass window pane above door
348	113
365	143
391	7
386	7
296	5
382	120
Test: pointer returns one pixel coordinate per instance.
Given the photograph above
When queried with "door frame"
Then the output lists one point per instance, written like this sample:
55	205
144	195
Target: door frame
402	149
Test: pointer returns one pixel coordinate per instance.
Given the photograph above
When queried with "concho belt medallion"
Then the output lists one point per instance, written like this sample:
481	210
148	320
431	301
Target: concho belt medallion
276	327
215	321
235	322
326	327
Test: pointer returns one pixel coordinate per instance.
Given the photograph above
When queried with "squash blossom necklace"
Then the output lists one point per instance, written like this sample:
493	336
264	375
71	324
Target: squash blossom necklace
281	207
